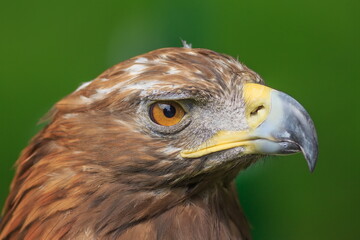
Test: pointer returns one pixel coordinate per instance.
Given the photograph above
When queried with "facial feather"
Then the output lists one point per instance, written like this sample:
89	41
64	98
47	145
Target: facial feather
101	169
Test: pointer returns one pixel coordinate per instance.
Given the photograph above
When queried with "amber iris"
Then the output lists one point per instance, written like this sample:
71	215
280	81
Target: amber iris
166	113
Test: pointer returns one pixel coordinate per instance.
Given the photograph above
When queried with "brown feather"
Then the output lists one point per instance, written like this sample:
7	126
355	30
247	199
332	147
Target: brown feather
94	173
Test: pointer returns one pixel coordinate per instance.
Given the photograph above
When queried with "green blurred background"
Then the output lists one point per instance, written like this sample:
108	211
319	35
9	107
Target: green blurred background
308	49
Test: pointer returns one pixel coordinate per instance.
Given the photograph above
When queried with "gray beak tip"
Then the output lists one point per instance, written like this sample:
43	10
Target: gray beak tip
311	156
299	126
311	165
311	161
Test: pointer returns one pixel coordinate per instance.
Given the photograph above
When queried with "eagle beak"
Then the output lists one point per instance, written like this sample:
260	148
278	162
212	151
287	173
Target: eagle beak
278	125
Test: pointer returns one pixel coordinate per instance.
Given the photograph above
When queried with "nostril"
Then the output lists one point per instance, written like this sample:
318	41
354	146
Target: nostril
256	110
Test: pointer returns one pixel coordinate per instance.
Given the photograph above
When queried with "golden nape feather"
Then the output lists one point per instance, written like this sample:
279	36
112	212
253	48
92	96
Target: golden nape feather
150	150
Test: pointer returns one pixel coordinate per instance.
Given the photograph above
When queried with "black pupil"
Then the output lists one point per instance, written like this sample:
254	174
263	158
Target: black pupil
168	110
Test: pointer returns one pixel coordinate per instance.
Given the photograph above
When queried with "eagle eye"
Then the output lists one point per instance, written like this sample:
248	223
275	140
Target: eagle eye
166	113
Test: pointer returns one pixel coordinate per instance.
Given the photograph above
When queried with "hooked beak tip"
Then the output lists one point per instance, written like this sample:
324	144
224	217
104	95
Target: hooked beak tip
311	158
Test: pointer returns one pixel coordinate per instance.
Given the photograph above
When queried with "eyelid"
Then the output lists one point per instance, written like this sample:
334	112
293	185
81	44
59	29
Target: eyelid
186	104
177	96
168	97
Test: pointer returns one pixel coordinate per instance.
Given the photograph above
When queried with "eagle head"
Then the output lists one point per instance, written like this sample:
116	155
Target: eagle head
163	131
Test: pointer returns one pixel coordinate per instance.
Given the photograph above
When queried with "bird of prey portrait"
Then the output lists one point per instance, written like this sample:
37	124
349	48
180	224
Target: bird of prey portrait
150	150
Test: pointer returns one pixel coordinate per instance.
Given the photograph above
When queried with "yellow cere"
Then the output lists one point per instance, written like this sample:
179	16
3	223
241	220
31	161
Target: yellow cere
257	101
